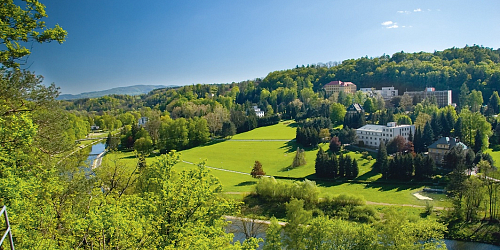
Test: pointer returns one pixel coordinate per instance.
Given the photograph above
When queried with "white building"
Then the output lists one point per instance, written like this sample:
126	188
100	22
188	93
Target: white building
372	135
142	121
258	112
443	98
386	92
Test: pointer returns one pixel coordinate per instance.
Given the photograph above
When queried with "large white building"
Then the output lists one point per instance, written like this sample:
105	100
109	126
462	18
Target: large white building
372	135
443	98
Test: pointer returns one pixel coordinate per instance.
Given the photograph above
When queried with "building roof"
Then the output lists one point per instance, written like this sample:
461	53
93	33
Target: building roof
378	128
374	128
340	83
452	142
355	107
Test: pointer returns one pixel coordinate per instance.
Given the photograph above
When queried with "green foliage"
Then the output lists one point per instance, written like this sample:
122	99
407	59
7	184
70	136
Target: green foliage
470	123
273	236
281	191
22	24
337	113
299	159
347	207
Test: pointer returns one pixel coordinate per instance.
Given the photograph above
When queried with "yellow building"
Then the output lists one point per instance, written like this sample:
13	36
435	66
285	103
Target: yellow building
338	86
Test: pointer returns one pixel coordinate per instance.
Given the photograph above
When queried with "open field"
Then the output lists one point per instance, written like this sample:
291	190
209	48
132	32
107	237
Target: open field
277	156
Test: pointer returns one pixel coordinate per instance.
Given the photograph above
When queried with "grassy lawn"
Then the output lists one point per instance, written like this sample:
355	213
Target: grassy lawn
495	155
384	193
283	131
277	156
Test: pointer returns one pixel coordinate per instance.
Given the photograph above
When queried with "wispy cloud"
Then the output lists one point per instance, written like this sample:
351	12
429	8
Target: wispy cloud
417	10
403	12
390	25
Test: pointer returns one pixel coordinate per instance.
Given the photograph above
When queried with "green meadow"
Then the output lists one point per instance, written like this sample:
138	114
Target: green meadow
275	148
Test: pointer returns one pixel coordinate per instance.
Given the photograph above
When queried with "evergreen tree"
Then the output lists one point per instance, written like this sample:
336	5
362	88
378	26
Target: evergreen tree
494	104
299	159
478	142
354	169
418	142
463	99
321	163
382	162
436	126
341	165
410	136
428	135
446	124
333	166
418	163
457	131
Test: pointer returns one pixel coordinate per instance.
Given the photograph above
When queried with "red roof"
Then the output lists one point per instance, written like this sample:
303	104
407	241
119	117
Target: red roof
339	83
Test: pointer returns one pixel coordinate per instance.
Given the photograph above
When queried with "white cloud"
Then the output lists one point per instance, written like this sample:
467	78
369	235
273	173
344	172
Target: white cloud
417	10
387	23
403	12
395	26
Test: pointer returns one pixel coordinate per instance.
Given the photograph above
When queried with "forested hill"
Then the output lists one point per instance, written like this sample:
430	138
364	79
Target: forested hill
476	66
130	90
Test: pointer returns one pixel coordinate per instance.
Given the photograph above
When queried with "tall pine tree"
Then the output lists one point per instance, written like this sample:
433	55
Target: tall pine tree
428	135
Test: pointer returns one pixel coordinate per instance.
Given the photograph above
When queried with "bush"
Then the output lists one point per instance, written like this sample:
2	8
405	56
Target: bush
280	191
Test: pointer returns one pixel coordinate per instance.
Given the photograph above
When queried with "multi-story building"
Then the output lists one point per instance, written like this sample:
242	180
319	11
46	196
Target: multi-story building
258	112
339	86
372	135
443	97
439	148
387	92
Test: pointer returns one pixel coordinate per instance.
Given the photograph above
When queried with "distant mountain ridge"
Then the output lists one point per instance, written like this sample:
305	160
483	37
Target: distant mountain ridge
129	90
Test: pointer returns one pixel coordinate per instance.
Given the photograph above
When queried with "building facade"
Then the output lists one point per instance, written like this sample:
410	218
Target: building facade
386	92
339	86
373	135
443	97
439	148
258	112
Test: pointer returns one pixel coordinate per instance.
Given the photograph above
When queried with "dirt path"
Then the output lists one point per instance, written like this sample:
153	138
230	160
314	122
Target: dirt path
222	169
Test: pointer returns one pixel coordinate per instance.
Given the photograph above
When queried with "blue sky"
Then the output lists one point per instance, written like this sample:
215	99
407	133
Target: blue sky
120	43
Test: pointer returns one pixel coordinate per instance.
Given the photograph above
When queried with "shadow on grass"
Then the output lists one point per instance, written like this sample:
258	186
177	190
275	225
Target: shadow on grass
293	125
382	185
291	147
213	142
368	174
246	183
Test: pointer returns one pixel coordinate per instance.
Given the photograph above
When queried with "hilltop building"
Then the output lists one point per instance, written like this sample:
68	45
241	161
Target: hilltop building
258	112
372	135
439	148
443	97
339	86
142	121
